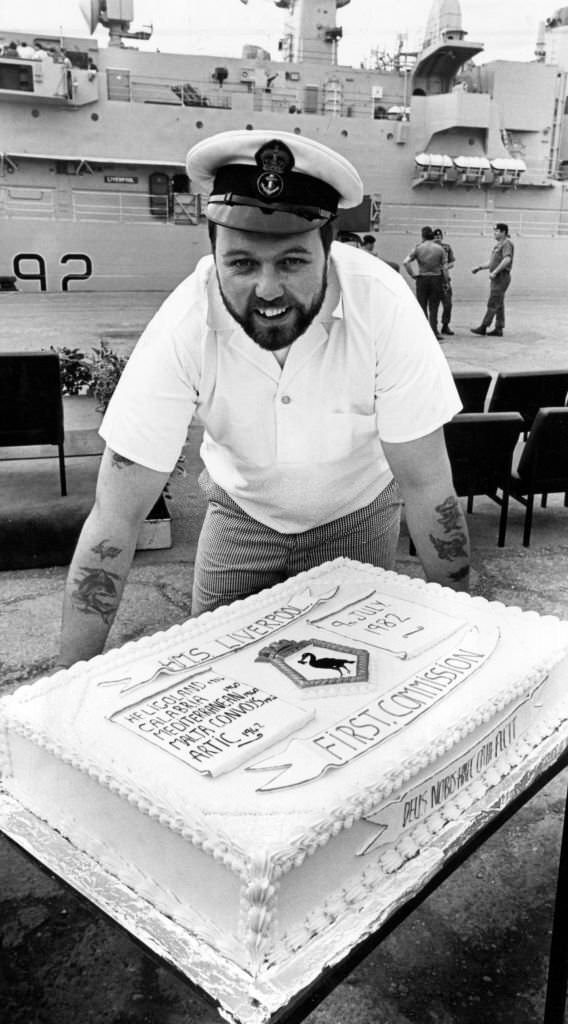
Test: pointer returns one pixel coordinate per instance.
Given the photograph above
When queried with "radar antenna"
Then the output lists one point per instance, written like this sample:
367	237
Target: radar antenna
116	15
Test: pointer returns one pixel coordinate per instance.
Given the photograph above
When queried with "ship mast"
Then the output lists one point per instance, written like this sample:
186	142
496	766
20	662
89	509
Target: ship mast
314	32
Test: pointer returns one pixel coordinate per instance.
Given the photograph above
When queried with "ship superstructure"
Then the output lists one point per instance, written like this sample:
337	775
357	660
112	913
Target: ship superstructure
93	192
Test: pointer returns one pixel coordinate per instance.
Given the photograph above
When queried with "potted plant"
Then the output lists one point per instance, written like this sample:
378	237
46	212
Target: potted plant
97	375
74	372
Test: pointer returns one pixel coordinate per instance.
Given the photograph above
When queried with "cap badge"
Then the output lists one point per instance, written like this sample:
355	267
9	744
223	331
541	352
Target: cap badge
275	160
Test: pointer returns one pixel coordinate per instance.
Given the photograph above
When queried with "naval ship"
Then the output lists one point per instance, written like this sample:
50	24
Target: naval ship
93	189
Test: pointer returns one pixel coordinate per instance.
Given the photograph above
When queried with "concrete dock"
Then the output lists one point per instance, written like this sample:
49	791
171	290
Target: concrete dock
476	951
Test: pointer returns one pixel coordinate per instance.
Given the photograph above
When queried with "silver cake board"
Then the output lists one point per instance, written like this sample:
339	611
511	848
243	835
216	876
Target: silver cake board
239	998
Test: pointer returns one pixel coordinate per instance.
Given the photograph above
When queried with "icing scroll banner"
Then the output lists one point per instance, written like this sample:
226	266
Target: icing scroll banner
182	663
392	624
384	716
393	819
211	722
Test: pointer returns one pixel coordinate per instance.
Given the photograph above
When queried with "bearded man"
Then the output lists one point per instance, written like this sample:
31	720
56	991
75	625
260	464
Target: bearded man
319	385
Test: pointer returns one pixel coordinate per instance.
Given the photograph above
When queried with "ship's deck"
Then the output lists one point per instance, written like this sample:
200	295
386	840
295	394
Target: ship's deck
476	951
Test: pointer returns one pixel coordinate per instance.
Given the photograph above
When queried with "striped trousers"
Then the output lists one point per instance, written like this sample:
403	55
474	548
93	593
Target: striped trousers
237	556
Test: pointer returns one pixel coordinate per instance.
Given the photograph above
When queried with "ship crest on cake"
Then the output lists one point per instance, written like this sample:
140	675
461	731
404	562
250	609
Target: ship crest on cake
311	663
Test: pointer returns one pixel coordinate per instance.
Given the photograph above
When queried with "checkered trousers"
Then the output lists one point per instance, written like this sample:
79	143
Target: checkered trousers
237	555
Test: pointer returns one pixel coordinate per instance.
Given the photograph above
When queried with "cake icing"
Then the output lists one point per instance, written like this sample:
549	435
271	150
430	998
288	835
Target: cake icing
266	771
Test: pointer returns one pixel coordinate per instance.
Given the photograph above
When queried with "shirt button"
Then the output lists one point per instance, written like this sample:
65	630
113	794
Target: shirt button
285	399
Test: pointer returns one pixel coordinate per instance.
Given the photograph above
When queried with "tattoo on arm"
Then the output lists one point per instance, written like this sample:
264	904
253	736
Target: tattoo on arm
119	461
96	593
106	550
449	516
450	549
460	574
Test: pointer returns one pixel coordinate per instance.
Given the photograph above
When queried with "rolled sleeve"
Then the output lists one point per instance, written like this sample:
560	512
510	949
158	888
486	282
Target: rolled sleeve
150	411
415	392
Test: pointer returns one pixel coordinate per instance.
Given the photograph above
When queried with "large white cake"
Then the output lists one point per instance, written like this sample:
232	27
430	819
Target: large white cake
269	778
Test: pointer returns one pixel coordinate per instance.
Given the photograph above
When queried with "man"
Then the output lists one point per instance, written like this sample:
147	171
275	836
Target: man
430	258
368	245
447	294
499	267
317	381
349	238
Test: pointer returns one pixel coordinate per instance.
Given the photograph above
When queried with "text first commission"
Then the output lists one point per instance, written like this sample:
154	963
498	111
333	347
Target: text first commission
375	722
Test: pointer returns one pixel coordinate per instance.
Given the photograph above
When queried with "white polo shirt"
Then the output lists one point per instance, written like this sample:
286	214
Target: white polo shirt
299	445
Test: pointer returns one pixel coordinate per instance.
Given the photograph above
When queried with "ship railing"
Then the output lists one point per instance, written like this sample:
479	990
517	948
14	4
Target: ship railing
125	87
468	222
122	207
279	98
33	203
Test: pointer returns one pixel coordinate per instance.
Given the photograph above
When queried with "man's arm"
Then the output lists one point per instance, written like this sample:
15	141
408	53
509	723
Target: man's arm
407	264
125	493
433	512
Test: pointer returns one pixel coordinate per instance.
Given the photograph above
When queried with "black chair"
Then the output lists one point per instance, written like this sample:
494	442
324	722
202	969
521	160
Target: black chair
31	406
527	392
543	465
480	448
472	388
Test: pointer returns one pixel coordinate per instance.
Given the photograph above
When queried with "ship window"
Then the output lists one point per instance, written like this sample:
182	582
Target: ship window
16	77
180	183
118	84
311	99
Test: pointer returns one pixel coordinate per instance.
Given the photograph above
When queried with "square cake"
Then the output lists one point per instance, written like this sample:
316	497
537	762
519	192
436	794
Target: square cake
272	778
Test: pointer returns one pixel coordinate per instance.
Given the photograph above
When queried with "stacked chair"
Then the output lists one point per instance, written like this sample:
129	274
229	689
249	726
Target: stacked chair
472	387
31	407
480	447
482	439
527	392
543	465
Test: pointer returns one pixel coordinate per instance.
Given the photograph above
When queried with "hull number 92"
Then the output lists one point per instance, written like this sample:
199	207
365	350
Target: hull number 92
30	266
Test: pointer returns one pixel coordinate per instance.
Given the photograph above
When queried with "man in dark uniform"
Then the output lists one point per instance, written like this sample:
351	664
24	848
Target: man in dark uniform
499	267
431	261
447	294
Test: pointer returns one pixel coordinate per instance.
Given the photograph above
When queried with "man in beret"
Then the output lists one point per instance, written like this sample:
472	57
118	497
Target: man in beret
319	384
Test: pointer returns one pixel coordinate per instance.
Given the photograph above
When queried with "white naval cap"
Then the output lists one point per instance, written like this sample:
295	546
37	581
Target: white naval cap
271	181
